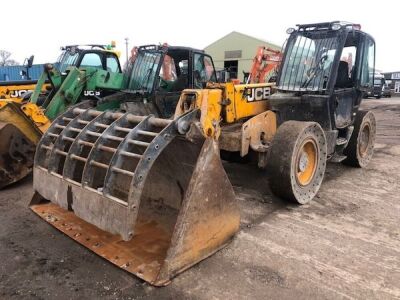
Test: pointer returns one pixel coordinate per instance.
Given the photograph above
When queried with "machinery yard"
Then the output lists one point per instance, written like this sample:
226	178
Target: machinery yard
178	171
344	244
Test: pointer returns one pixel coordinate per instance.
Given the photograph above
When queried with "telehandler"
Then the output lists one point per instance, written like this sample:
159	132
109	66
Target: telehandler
150	194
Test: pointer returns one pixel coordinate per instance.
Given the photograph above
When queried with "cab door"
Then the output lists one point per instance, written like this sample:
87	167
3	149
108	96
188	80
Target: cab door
181	69
172	80
203	70
354	74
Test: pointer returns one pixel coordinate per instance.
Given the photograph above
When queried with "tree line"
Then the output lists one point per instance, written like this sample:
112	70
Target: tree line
6	60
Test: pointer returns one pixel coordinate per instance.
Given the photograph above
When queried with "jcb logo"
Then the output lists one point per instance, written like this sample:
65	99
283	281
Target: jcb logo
257	94
92	93
18	93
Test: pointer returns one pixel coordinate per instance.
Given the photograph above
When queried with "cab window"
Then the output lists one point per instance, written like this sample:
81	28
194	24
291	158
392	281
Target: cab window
112	64
92	60
368	64
174	74
203	70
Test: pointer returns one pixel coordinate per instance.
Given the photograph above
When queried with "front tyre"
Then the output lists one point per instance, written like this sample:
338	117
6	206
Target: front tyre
297	161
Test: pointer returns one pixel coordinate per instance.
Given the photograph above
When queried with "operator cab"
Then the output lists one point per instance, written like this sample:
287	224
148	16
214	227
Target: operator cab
96	56
159	74
325	71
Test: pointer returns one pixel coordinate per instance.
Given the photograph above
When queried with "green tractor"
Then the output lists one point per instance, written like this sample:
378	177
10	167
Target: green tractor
154	74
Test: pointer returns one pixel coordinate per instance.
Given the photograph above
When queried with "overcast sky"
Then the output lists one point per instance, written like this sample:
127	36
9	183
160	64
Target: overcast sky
40	27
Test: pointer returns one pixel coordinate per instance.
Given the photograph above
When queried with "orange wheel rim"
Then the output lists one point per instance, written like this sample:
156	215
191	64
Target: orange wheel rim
364	140
306	162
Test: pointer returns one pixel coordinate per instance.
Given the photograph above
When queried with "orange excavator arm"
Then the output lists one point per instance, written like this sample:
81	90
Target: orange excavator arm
265	61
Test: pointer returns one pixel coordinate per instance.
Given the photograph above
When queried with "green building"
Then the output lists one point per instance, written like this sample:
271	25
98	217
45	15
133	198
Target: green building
235	52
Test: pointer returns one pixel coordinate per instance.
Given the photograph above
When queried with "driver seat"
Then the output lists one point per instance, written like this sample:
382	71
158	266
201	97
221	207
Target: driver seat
343	80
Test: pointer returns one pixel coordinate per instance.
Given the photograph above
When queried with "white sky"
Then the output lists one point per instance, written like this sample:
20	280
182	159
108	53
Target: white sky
40	27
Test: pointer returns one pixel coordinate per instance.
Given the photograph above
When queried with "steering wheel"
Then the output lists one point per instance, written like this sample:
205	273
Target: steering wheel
312	71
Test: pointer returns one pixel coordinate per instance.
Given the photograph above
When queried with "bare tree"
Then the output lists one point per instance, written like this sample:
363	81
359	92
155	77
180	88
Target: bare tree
5	59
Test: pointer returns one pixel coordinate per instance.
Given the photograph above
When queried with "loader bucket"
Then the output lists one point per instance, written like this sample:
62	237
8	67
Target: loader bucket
19	137
135	191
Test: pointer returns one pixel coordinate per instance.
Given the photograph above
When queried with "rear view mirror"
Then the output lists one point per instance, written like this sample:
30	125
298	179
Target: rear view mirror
30	61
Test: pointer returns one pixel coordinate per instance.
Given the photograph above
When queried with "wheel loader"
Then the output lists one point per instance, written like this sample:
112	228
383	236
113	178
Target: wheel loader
150	194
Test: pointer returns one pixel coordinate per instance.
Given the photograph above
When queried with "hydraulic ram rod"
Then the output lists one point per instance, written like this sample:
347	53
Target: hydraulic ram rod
131	117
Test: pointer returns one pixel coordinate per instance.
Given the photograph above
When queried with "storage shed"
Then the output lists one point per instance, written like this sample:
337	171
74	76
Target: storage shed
235	52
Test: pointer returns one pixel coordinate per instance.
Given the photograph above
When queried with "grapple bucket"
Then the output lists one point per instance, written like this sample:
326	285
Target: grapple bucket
19	137
135	191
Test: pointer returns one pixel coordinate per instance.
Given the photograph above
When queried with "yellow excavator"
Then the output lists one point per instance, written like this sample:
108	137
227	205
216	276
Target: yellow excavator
150	193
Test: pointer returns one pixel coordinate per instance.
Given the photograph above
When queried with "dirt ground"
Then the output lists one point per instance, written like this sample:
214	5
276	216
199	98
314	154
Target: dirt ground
343	245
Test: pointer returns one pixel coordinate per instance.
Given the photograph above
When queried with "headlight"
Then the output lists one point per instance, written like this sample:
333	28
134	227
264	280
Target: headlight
290	30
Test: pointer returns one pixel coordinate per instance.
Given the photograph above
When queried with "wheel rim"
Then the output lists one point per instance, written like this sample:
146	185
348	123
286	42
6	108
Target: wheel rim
365	137
306	162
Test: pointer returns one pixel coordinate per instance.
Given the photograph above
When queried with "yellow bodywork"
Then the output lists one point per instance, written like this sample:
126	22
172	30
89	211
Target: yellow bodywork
243	103
258	132
208	101
36	114
15	92
11	113
223	105
28	118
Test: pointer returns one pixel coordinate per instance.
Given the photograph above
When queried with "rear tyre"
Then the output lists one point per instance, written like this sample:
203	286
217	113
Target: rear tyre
297	161
360	149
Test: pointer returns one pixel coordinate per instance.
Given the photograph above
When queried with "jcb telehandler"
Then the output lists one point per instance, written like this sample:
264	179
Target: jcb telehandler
99	79
150	194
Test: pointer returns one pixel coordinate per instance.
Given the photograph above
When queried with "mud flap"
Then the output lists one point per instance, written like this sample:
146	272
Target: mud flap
155	217
18	136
